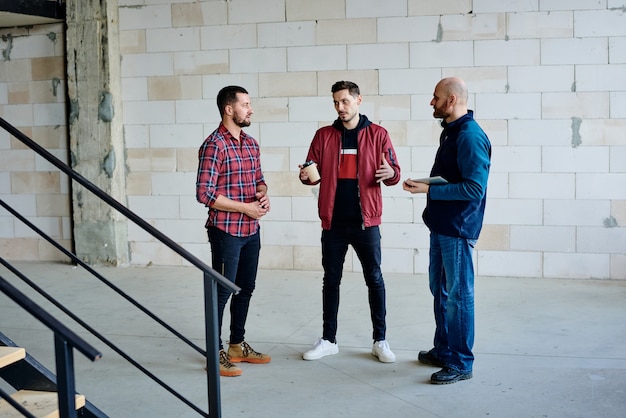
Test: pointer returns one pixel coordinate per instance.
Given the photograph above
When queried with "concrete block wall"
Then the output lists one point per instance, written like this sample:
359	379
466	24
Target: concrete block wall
546	83
32	98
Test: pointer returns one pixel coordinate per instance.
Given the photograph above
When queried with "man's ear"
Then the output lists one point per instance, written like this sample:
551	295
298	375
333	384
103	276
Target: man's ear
228	110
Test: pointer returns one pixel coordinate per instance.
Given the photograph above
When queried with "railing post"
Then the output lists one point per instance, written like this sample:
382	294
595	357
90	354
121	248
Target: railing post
66	389
212	345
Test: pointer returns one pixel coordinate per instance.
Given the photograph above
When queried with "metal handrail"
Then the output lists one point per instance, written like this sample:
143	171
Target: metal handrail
65	340
211	277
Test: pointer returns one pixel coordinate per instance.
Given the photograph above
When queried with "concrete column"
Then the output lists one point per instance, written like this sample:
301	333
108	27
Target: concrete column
95	128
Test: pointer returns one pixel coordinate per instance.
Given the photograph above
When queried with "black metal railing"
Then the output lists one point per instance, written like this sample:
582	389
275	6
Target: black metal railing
211	277
65	341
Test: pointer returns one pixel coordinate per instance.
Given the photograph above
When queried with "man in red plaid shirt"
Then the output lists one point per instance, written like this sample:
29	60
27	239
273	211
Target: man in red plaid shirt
231	184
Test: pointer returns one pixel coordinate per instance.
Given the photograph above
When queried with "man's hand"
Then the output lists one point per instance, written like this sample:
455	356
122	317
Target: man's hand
385	171
414	186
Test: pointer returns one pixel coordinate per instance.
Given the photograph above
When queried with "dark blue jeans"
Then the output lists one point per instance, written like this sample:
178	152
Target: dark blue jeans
451	273
366	244
237	259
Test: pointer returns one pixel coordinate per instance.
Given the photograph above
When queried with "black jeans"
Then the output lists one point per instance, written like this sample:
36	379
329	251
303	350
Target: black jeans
366	244
237	259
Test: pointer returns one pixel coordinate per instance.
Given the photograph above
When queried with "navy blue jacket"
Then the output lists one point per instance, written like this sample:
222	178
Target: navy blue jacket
457	209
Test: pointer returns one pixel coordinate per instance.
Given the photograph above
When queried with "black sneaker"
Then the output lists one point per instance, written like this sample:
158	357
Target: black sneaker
427	357
447	375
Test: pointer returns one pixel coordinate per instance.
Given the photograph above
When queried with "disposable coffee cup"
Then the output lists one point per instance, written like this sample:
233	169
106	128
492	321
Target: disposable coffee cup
311	170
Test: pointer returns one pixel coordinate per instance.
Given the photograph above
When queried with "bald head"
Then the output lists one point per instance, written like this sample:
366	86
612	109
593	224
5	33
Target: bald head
450	99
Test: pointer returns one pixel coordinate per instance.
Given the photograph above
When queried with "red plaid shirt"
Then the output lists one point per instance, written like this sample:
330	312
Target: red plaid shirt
233	169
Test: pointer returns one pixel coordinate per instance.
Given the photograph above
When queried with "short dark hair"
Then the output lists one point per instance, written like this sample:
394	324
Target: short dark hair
228	96
352	88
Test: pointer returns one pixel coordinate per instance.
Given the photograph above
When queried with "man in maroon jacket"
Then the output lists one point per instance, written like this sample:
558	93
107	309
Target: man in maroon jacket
354	157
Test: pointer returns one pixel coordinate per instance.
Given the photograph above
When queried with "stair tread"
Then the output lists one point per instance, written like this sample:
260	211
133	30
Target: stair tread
9	355
39	403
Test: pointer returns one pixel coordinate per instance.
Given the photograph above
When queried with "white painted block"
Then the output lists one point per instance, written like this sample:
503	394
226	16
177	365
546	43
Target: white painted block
516	159
182	230
174	184
540	132
172	39
49	114
266	60
212	84
540	25
543	185
543	238
472	27
407	29
593	105
575	160
145	17
254	11
492	6
149	112
410	81
136	136
509	263
509	106
441	54
438	8
601	240
497	186
576	212
618	105
317	58
396	260
201	62
228	36
197	112
377	56
513	52
176	136
617	50
513	211
576	266
281	208
292	233
375	8
573	4
311	109
134	88
401	235
574	51
618	159
601	77
292	134
597	23
7	229
304	209
272	35
19	114
544	78
155	207
612	186
145	65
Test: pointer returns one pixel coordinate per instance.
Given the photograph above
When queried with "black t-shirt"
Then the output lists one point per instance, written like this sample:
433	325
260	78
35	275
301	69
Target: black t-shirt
347	209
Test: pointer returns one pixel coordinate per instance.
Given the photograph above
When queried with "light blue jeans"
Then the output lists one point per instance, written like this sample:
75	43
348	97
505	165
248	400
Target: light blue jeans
451	274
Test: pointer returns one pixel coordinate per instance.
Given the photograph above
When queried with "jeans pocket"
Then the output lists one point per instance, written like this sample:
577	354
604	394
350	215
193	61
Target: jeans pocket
472	242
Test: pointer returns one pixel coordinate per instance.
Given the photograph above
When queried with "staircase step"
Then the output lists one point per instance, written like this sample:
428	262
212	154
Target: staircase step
10	355
39	403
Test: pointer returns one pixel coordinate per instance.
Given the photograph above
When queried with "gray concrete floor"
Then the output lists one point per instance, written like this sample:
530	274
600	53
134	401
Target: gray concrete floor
544	348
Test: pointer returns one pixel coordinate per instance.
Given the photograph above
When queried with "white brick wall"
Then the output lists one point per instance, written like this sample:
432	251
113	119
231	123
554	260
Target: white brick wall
546	81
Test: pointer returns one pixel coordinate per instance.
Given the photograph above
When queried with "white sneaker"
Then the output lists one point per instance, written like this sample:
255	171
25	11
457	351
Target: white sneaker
383	352
321	348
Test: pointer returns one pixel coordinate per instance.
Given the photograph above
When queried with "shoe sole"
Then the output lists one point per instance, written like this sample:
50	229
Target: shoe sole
231	374
384	360
305	357
449	382
249	360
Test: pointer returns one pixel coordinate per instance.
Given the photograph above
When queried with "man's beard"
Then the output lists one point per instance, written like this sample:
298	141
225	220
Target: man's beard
241	122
